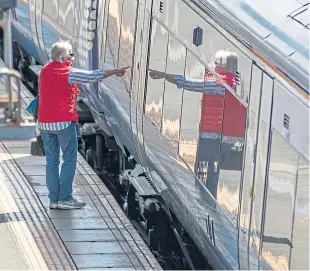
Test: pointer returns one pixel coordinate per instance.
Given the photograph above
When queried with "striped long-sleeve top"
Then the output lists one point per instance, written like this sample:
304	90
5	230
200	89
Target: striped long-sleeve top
75	76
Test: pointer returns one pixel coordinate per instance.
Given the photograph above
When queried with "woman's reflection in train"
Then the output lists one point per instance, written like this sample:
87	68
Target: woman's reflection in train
220	145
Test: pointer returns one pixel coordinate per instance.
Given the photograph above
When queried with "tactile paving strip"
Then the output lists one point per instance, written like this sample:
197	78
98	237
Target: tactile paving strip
99	236
36	223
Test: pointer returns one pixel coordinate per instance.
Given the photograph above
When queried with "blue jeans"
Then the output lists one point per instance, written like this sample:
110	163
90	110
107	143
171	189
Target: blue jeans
60	185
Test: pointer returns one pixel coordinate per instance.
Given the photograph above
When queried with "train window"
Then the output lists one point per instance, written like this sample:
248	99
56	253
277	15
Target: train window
277	234
157	68
216	51
141	56
300	250
260	167
51	9
172	102
191	110
126	45
66	14
113	34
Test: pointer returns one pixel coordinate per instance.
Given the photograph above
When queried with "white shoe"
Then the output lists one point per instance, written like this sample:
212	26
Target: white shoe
71	204
53	205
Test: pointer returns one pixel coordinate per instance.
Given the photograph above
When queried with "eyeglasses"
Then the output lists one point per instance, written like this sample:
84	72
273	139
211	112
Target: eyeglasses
71	57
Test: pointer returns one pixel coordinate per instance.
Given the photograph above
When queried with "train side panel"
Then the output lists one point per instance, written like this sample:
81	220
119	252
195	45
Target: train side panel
207	117
21	28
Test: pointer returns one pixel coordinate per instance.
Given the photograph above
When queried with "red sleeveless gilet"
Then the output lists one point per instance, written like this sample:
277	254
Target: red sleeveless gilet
57	99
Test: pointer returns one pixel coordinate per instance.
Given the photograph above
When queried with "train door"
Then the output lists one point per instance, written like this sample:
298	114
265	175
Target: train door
259	181
249	166
139	74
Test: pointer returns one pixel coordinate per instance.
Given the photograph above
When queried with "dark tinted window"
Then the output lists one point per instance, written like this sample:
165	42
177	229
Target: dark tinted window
172	102
191	112
126	43
113	33
157	69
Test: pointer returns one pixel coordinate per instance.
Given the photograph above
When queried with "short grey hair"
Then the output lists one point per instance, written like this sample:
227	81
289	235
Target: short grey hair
60	49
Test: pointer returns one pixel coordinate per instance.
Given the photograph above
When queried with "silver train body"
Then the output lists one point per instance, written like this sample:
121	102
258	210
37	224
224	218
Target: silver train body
252	212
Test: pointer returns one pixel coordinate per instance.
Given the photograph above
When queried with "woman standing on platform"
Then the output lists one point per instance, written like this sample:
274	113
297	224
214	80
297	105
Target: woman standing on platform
57	117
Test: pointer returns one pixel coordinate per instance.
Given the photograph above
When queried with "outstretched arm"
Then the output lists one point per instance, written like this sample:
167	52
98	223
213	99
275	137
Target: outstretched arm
189	84
84	76
199	85
117	72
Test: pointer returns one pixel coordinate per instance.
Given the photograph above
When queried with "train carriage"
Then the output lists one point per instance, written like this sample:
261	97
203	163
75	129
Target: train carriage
213	116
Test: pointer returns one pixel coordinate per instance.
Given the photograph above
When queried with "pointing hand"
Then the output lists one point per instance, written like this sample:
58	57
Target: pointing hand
121	71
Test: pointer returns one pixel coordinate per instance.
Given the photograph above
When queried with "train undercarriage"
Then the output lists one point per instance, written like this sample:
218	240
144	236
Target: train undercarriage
155	222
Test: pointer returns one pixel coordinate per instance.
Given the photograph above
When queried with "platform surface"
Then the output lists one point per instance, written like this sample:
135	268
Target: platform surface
11	254
98	236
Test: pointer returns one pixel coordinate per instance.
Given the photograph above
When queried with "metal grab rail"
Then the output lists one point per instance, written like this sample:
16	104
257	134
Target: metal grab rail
13	125
13	110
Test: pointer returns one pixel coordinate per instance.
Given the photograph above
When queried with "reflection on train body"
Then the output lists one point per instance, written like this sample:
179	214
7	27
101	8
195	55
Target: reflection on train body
214	147
207	124
209	120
